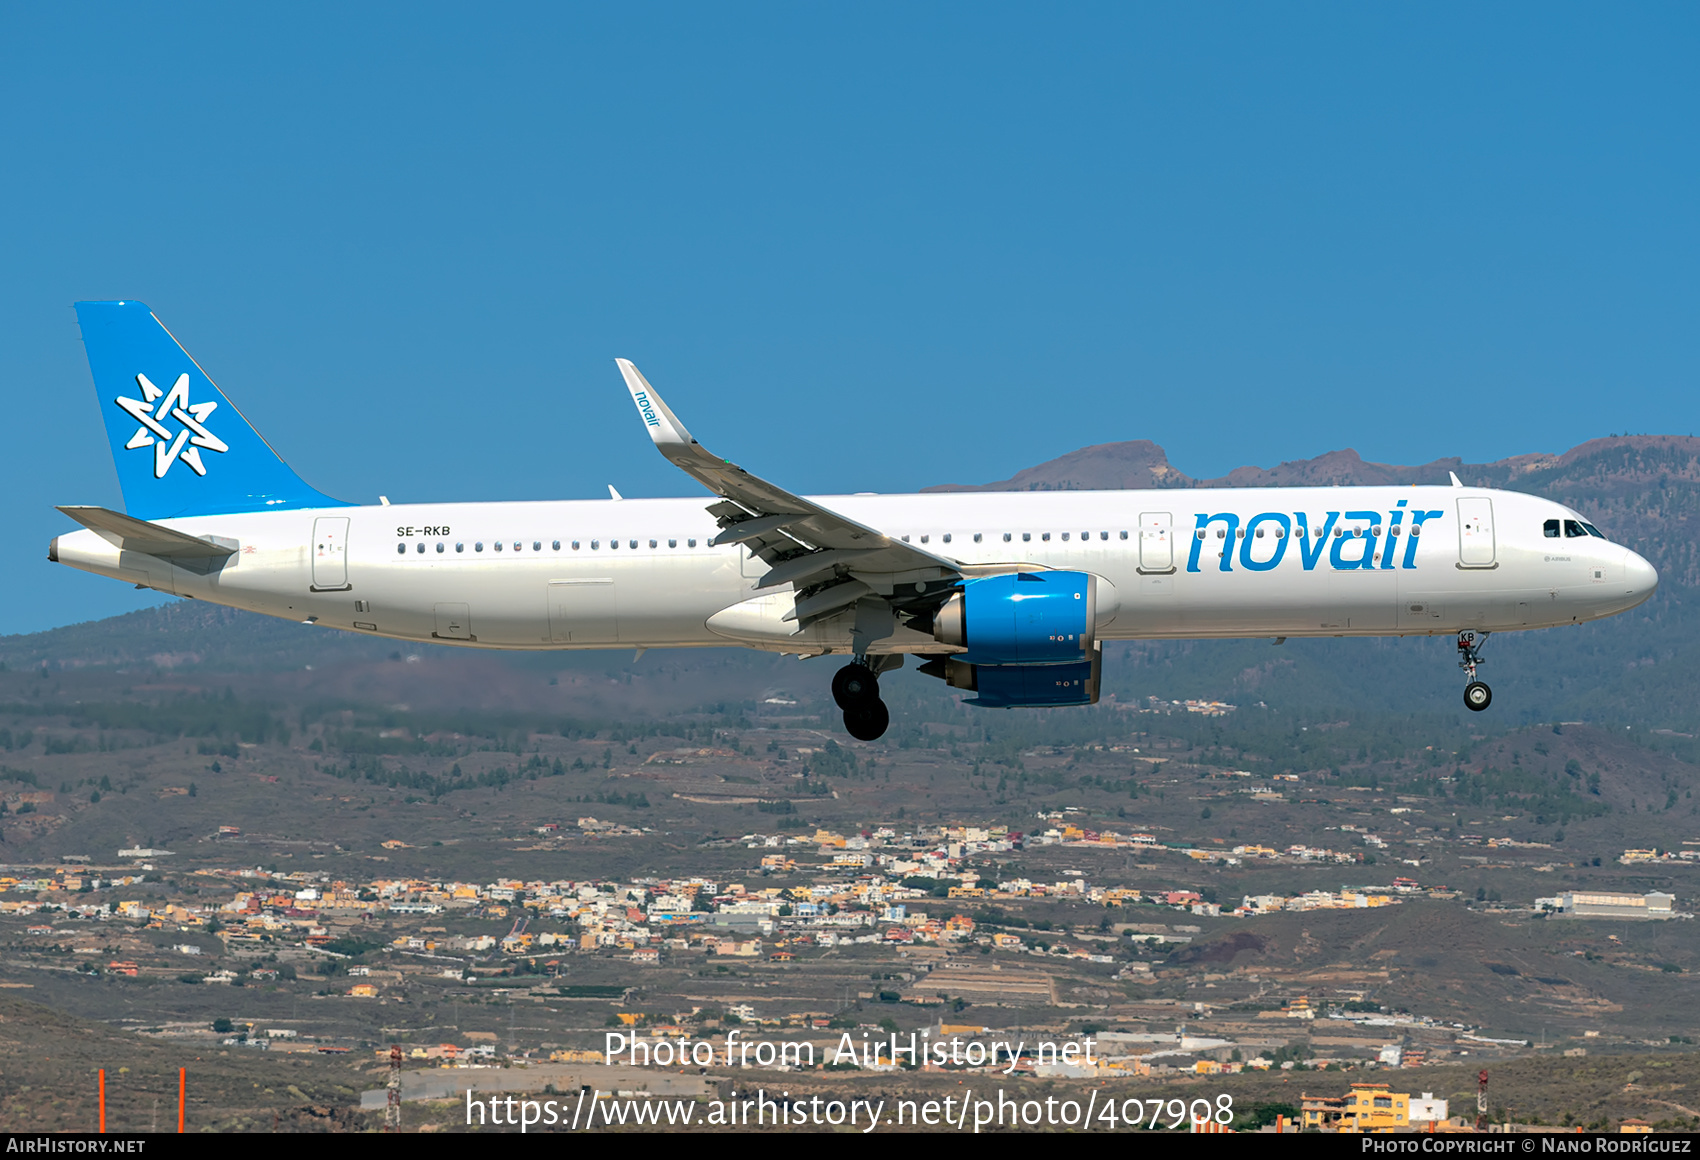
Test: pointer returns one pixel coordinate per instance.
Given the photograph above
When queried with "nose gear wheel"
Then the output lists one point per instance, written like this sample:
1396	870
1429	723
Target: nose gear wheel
1477	696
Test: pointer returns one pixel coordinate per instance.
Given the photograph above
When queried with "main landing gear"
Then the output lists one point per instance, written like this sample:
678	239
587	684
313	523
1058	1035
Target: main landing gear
856	689
1477	696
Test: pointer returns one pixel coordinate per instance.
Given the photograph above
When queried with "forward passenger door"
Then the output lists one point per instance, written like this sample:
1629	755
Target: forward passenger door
1475	532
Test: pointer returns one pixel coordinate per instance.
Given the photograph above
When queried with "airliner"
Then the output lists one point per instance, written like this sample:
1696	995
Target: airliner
1005	596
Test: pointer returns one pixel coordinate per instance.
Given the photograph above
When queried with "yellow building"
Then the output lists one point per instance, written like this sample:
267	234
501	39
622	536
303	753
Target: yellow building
1370	1107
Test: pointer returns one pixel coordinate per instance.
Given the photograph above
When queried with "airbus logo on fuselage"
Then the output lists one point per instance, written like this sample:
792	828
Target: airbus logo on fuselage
1355	539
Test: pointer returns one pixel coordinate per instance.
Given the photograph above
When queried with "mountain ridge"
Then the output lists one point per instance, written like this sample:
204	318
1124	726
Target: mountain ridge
1143	463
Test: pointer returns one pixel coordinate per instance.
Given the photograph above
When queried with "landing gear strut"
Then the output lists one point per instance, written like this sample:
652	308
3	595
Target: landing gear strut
856	689
1477	696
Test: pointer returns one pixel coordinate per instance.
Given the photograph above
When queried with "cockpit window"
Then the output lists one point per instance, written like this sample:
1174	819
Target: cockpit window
1593	531
1551	529
1573	529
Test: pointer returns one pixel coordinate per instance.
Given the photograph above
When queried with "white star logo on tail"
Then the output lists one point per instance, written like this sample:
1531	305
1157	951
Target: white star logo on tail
168	447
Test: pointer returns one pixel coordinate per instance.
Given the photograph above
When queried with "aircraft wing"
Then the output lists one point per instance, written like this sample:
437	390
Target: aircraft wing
830	559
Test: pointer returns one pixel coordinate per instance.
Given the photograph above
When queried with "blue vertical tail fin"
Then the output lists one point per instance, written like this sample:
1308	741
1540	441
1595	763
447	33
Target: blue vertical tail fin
181	447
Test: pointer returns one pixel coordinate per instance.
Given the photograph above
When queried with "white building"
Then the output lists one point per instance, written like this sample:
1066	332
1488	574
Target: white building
1427	1109
1590	904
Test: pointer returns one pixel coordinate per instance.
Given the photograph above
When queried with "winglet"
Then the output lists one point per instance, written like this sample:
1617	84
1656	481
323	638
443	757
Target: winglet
1456	482
664	426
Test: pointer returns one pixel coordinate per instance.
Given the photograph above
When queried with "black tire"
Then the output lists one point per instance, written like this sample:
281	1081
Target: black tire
868	721
1477	696
853	685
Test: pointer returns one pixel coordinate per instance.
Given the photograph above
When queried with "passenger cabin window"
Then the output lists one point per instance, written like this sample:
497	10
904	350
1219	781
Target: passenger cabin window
652	543
439	548
401	549
633	544
460	547
1107	535
1045	536
558	545
478	546
1573	529
690	543
1006	537
947	537
537	545
497	545
575	545
421	549
672	543
976	537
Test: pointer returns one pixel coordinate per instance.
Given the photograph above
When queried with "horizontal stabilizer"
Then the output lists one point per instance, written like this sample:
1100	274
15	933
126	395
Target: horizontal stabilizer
133	535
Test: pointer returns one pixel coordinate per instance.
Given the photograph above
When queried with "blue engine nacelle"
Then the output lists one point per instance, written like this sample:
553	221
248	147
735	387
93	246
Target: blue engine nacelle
1021	618
1028	686
1028	639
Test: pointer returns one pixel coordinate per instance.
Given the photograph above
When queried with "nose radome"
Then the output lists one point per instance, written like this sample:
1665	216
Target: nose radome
1640	577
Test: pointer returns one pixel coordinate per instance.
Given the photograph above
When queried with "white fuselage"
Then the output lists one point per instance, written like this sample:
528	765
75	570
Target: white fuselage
636	572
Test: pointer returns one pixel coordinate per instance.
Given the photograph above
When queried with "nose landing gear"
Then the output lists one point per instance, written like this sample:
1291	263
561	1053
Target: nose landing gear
1477	696
856	689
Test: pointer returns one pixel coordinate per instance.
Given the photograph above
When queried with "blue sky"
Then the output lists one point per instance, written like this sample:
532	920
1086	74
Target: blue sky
857	247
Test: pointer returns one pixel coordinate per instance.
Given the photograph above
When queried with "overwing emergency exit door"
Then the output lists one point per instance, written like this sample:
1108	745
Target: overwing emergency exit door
1156	543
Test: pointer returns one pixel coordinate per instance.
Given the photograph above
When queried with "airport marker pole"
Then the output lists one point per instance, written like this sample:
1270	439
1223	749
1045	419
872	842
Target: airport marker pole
182	1095
103	1099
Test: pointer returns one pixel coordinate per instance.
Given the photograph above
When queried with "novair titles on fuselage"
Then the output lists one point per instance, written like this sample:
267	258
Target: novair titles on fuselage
1358	543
